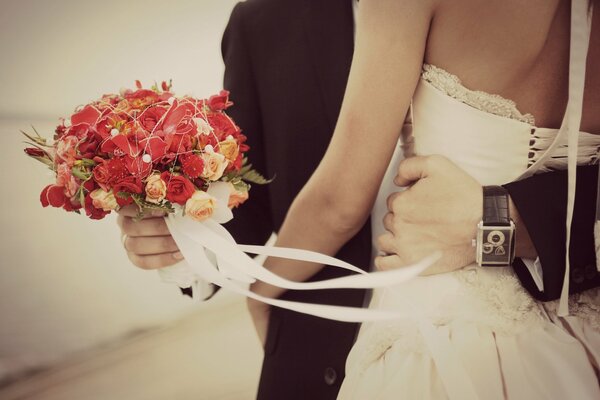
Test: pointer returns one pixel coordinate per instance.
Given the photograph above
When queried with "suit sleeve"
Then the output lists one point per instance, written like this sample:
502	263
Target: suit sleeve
252	222
542	202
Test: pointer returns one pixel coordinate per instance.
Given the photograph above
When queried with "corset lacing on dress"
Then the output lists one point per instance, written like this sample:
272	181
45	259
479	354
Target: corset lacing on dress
585	305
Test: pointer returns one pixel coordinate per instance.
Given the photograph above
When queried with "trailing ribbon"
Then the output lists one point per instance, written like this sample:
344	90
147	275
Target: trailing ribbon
212	255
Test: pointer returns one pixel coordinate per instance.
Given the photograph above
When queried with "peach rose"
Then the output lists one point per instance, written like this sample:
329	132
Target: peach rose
236	197
156	189
229	148
104	200
214	164
200	206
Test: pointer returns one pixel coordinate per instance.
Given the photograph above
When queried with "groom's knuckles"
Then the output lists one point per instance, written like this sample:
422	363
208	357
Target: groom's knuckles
386	242
388	262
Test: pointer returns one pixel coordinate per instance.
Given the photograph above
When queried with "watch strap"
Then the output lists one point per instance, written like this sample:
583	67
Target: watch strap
495	206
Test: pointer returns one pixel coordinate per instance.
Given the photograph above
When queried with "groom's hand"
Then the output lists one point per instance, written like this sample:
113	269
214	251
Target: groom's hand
148	242
438	211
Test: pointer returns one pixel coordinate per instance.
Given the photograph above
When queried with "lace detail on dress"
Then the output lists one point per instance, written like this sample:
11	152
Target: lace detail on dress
585	305
491	103
507	307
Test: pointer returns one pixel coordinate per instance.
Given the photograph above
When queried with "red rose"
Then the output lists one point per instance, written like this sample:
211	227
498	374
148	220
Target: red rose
151	116
192	165
137	167
179	143
220	102
129	184
222	125
179	189
88	147
93	212
109	172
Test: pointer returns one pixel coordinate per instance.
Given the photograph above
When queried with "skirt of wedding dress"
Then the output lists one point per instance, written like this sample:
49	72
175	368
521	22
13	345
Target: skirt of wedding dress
474	334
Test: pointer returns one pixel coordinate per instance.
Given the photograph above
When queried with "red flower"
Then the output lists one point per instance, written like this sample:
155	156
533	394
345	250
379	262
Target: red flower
223	126
179	119
129	184
110	172
88	147
87	115
179	189
192	165
34	152
155	147
137	167
220	102
54	196
151	116
93	212
179	143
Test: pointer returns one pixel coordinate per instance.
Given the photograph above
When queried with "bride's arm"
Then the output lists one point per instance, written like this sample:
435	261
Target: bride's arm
336	201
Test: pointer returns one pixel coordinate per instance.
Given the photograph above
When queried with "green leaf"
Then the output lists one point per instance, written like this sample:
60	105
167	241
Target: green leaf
40	141
83	175
145	206
45	161
241	186
81	196
86	162
254	177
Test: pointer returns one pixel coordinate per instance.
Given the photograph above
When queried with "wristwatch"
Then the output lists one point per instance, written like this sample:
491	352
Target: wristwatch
495	244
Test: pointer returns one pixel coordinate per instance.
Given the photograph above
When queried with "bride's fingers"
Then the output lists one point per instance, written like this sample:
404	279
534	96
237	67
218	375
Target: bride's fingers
155	261
384	263
144	227
147	245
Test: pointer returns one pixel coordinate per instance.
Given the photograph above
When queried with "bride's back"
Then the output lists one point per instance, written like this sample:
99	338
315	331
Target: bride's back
518	50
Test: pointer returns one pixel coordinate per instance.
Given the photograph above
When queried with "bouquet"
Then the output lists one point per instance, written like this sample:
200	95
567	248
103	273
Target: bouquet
149	148
186	157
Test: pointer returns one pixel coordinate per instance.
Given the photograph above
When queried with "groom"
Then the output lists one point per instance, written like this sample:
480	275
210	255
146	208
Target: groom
286	66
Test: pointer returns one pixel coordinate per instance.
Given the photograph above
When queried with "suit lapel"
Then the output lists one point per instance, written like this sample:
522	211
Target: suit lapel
329	27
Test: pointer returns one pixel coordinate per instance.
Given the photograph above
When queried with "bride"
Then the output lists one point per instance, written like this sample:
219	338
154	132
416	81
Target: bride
474	331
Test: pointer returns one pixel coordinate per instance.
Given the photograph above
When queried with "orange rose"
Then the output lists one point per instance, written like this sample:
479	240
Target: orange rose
229	148
156	189
236	197
200	206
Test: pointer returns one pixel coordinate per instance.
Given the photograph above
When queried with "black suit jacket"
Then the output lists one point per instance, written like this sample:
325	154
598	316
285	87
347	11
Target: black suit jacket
286	65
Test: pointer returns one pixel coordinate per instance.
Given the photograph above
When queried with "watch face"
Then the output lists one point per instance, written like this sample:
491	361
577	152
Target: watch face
495	246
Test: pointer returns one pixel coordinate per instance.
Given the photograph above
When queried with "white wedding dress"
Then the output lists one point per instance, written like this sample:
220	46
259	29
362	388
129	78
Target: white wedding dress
476	333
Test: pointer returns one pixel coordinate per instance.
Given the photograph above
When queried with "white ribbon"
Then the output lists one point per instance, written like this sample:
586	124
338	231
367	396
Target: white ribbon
212	255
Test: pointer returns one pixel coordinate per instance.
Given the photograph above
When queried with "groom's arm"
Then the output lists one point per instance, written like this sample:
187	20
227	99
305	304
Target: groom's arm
541	201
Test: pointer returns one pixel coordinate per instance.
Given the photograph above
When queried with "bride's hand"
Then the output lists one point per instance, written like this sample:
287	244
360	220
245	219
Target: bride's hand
439	211
260	313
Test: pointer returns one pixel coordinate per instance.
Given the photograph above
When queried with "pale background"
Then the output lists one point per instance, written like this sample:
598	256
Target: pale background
66	286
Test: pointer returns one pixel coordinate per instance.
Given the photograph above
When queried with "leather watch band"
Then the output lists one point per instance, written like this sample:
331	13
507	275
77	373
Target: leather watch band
495	206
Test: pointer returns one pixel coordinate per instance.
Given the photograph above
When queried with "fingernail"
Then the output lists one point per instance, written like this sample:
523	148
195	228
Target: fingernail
178	255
